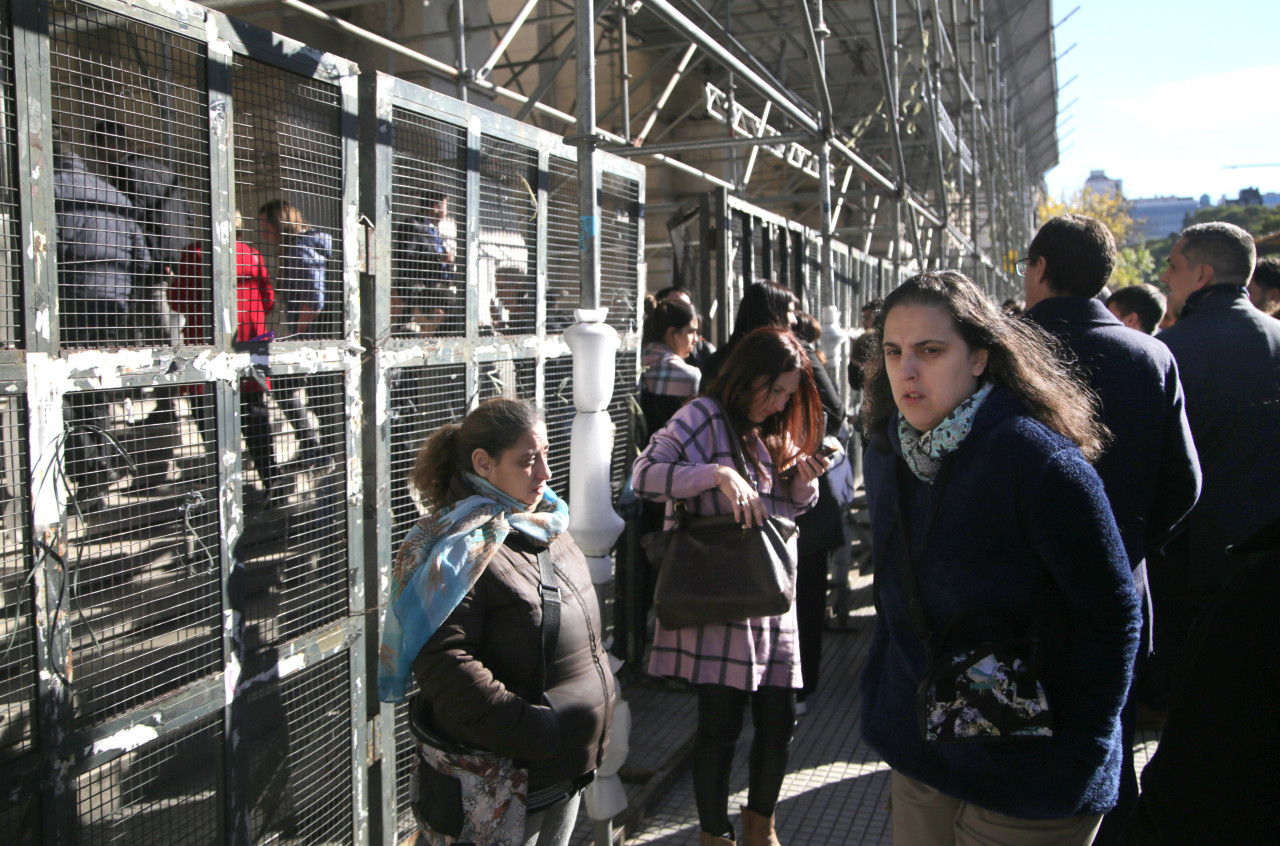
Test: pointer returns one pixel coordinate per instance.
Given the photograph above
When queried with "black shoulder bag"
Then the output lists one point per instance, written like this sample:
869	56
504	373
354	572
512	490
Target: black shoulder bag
978	691
714	569
463	794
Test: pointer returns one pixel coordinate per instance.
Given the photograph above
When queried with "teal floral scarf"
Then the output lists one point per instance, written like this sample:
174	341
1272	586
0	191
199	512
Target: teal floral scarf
924	451
439	562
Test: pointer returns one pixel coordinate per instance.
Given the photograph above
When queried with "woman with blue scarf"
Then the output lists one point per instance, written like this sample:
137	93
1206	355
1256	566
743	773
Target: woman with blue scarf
990	526
465	617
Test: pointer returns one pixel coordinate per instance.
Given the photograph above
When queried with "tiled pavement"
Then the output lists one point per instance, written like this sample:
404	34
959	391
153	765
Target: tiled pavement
835	792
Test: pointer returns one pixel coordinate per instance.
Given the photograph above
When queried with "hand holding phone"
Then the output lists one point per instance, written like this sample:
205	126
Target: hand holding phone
824	452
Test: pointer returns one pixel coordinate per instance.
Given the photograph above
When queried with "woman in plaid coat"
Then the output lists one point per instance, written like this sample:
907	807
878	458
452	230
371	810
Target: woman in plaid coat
766	387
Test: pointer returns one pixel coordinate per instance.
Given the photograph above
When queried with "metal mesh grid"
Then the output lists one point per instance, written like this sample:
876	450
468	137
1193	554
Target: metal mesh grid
17	636
512	378
422	399
10	237
144	548
507	246
562	243
759	239
624	389
295	549
288	149
163	792
620	250
428	259
131	183
558	412
406	759
811	281
298	731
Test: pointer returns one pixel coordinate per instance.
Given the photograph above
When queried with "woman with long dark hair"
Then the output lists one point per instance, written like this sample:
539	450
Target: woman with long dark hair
465	617
989	526
762	304
765	393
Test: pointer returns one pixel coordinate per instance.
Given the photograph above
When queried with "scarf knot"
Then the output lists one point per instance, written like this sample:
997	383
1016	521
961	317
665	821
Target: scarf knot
924	451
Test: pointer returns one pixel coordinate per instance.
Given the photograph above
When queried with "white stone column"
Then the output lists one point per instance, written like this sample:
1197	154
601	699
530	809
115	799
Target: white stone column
592	520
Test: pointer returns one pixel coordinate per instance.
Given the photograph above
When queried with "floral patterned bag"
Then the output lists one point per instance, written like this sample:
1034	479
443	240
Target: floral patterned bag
468	797
988	692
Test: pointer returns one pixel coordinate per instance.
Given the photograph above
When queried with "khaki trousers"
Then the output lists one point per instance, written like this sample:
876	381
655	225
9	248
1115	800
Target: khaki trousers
924	817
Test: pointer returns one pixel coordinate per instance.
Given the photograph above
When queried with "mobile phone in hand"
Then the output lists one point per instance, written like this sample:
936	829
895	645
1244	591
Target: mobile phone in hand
824	452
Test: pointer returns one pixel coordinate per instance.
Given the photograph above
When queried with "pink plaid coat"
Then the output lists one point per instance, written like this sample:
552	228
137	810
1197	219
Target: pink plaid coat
680	463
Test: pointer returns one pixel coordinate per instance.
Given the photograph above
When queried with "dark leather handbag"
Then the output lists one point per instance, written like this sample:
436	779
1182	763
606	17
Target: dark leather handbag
714	570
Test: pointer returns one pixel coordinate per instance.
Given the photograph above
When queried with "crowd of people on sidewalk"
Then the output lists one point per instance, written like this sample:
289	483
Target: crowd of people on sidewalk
1062	502
1072	510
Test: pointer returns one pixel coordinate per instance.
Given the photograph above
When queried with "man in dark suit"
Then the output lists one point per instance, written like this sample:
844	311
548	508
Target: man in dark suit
1150	471
1228	354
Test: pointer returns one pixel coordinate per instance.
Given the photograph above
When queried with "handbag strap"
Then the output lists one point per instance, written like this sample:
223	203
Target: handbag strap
549	590
739	457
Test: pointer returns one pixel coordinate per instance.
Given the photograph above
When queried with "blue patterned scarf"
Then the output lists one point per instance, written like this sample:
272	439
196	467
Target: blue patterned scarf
924	451
439	562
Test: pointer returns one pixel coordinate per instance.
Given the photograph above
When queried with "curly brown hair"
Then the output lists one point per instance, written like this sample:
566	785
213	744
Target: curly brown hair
494	426
1021	358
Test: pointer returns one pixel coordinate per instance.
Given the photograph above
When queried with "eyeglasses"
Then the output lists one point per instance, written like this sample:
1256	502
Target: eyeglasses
1021	267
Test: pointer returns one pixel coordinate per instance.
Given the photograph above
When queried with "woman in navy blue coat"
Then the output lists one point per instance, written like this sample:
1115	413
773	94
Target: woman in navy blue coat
981	445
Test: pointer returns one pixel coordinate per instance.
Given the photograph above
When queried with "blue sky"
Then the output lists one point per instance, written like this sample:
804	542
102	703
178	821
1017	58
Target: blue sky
1169	92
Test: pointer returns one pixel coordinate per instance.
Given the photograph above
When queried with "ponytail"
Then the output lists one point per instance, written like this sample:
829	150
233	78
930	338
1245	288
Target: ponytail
493	426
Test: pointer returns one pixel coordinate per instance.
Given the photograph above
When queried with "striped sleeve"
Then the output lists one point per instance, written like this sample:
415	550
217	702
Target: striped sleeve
677	463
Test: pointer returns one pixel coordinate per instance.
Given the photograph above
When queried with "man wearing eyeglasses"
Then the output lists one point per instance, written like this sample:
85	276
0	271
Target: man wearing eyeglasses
1151	471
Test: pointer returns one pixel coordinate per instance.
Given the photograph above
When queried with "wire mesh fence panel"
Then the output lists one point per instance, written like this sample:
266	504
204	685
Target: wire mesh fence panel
131	170
558	412
510	378
294	548
428	211
17	635
761	257
144	549
420	401
298	732
288	164
507	246
163	792
406	760
563	274
620	250
815	295
10	237
620	408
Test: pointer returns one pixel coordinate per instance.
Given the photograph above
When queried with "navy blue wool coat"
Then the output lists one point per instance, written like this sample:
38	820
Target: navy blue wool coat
1017	524
1150	470
1228	354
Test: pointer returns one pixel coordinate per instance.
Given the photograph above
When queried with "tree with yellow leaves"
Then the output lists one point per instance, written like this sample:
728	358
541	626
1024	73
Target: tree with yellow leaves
1135	263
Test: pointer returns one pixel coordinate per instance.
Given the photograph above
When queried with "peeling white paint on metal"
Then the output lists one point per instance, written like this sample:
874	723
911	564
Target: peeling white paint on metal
105	369
42	323
223	232
126	739
179	9
292	664
47	381
231	674
381	402
221	367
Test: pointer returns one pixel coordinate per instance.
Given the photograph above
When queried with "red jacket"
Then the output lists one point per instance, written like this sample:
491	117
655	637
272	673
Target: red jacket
254	297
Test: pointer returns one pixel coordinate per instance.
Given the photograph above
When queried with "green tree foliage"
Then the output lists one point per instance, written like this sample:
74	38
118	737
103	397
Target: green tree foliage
1256	220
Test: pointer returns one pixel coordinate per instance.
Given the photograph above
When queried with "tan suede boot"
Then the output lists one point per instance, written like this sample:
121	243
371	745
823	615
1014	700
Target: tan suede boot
713	840
758	830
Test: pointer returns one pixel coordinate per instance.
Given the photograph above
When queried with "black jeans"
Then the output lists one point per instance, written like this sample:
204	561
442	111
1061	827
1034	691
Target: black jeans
720	713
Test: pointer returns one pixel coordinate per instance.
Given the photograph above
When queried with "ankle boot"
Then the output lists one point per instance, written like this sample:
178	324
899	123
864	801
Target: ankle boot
758	830
713	840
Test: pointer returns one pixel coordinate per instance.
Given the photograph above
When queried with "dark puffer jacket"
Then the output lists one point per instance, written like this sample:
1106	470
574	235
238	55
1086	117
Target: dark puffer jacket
478	669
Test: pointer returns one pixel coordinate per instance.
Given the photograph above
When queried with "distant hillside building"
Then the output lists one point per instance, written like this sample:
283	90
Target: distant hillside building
1100	183
1159	217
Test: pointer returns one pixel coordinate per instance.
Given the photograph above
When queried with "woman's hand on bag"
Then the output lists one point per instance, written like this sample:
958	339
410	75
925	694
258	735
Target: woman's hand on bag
748	508
811	467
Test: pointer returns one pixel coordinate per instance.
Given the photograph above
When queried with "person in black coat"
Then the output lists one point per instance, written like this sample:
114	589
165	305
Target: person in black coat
1228	355
1150	471
1213	779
